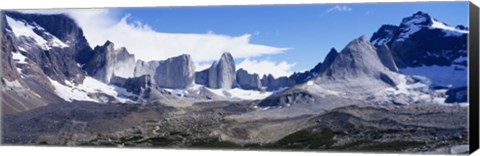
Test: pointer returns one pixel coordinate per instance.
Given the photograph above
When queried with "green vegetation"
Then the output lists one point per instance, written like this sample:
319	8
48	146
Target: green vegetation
214	143
352	146
301	140
365	145
392	146
130	139
159	141
305	139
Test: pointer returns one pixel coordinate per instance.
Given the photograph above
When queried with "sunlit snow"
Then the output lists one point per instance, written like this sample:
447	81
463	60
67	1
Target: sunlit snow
80	92
440	75
241	94
21	28
450	31
18	57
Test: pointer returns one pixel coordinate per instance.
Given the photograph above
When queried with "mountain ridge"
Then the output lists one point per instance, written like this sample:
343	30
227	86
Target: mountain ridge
61	54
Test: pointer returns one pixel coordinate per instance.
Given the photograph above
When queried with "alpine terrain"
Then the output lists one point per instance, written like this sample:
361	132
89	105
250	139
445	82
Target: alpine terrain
403	89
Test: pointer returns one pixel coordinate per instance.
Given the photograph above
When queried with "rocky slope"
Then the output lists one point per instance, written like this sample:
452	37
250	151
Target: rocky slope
35	50
357	69
354	73
370	128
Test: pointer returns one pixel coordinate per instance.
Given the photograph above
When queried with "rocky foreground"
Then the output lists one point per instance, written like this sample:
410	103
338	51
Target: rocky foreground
410	128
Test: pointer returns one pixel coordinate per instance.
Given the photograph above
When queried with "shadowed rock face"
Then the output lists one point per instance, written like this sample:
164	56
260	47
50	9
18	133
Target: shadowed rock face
59	63
272	83
386	57
201	77
249	81
328	60
135	85
7	62
62	27
143	87
425	47
26	81
221	74
108	62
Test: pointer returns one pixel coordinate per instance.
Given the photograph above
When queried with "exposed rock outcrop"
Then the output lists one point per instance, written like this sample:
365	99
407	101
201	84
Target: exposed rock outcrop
272	83
248	81
319	68
357	68
222	73
143	68
328	60
175	73
421	40
108	62
143	86
62	27
356	71
36	49
201	77
386	57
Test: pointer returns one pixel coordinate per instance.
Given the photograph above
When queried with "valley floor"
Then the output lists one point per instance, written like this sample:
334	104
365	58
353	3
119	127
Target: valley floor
381	128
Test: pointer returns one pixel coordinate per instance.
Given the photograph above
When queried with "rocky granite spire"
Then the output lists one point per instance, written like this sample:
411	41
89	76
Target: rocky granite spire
222	73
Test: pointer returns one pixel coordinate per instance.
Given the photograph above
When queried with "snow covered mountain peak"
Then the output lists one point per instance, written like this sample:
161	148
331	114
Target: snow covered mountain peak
418	25
418	18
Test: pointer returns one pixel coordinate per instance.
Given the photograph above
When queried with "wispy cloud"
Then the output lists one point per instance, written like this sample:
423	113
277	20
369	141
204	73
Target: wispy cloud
199	66
264	67
100	25
341	8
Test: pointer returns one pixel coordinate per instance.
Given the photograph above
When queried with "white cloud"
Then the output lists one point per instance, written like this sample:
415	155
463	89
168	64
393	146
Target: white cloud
99	25
199	66
339	8
267	67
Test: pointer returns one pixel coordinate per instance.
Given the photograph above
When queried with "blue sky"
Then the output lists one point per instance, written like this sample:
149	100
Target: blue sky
257	36
310	30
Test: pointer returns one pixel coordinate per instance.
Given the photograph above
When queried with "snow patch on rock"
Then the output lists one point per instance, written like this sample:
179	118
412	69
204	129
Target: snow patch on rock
452	76
241	94
448	30
21	28
18	57
71	92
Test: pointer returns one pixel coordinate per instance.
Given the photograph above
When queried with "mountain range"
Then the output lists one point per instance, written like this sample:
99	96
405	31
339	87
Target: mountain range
45	63
402	89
